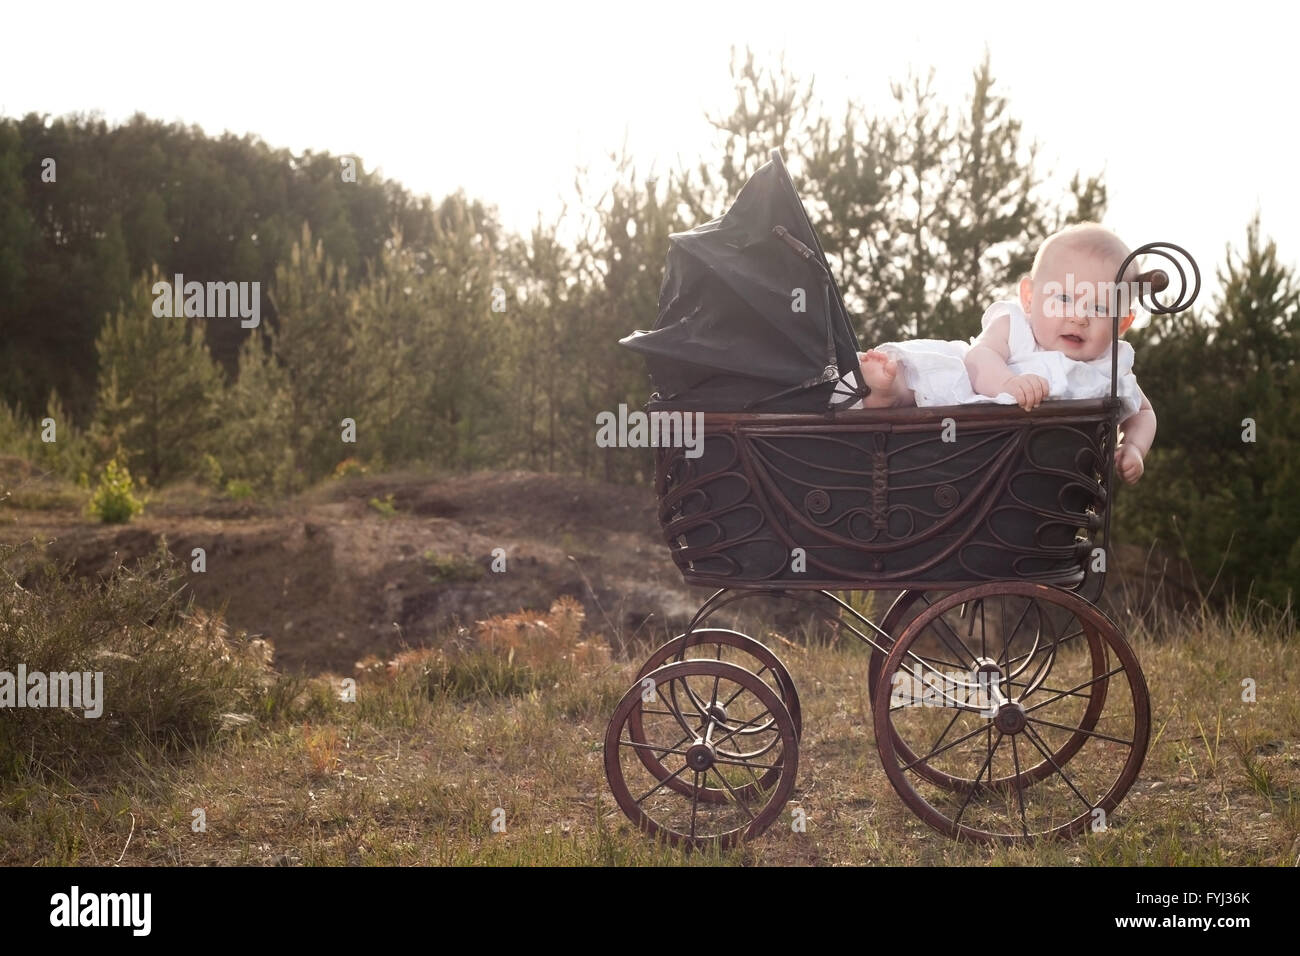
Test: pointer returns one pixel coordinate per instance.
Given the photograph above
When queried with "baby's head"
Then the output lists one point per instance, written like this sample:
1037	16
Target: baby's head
1069	294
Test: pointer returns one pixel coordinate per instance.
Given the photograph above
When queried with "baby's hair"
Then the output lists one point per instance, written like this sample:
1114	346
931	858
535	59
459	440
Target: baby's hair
1089	238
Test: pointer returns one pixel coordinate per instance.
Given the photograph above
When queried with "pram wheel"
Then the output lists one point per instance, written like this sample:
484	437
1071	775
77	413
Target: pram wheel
713	778
713	643
977	713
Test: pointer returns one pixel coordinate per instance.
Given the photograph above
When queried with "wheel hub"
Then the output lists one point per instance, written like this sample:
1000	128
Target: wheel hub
699	757
716	712
1011	718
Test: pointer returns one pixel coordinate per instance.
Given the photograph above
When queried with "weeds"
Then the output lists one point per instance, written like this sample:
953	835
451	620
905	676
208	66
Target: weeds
384	506
450	568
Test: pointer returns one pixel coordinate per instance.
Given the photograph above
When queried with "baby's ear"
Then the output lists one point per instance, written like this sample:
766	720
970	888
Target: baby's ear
1026	293
1125	322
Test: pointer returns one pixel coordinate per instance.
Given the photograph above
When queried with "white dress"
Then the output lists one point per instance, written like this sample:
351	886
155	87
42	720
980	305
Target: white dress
935	369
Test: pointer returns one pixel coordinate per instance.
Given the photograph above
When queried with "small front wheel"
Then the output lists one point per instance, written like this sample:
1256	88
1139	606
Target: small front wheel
713	780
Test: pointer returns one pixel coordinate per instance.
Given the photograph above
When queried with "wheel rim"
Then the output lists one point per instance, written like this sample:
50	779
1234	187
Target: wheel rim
998	771
723	798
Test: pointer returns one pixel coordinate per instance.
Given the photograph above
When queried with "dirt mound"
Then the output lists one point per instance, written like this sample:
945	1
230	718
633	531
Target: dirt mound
331	577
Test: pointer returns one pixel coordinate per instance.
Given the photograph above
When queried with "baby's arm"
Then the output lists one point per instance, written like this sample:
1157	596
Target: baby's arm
986	363
1139	432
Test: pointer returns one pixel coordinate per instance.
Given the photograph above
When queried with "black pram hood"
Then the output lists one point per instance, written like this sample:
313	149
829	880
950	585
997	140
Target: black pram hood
728	337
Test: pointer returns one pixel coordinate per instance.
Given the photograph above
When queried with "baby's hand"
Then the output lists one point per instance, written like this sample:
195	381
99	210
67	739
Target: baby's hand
1028	390
1128	462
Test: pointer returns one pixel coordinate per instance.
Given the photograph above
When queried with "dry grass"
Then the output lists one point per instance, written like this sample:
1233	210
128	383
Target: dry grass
506	723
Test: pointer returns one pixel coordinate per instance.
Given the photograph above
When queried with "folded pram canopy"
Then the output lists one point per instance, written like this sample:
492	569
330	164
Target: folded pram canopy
730	335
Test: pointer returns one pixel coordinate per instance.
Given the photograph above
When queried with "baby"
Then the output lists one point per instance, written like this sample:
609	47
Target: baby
1053	343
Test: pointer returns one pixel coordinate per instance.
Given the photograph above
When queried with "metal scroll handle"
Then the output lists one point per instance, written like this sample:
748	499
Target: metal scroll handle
1149	284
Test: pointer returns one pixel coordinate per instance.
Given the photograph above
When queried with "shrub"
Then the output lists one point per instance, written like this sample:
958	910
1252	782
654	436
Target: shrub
172	674
451	568
209	471
238	489
350	467
114	500
512	655
384	506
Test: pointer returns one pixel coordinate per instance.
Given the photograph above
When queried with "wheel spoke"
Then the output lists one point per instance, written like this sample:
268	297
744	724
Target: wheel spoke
730	734
1011	636
1020	791
737	797
971	791
681	721
1063	640
946	636
1051	690
934	753
1065	693
1033	736
1080	730
658	750
952	702
662	783
746	763
695	799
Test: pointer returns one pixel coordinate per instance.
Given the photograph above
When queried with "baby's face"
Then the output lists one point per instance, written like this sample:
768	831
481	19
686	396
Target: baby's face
1068	302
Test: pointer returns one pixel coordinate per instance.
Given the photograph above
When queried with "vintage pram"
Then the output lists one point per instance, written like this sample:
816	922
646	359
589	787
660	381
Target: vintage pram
1006	706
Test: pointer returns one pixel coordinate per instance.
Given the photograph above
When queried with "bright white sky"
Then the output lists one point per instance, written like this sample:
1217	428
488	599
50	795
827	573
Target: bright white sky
1187	109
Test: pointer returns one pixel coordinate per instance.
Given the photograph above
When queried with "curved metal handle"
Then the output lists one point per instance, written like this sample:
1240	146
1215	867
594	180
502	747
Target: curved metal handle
1148	284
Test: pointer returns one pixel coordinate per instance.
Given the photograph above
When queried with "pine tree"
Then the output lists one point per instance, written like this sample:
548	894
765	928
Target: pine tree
160	392
256	437
312	344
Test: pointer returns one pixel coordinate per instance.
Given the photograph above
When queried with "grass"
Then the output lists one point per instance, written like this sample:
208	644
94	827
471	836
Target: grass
507	722
384	506
448	568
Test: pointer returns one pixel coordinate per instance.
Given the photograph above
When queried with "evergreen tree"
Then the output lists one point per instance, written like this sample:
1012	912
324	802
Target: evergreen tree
256	436
311	342
459	349
385	316
160	392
